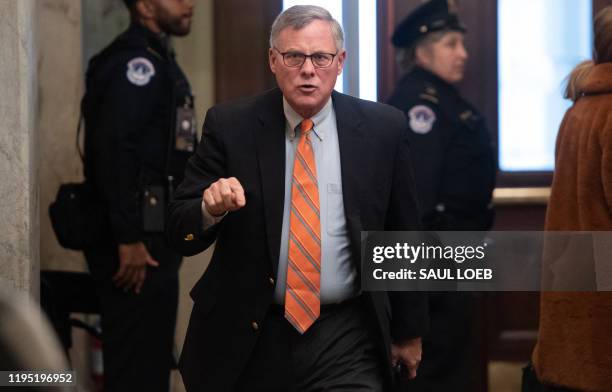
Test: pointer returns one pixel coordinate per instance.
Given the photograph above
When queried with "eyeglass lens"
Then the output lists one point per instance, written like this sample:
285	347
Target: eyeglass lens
296	59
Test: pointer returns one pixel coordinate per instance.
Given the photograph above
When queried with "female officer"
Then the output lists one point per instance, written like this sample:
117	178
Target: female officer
454	168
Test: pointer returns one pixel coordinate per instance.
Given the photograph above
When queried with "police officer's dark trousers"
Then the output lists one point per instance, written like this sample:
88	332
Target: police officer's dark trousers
137	329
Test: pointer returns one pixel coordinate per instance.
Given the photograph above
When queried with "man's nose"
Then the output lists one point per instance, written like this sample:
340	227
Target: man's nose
308	66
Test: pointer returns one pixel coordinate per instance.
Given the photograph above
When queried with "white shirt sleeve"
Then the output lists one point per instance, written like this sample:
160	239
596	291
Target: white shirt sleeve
208	220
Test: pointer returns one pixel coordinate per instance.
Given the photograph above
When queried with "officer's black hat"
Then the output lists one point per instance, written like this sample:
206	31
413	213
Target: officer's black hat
434	15
129	3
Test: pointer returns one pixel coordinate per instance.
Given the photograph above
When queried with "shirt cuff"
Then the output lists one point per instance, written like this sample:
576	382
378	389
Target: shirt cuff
208	220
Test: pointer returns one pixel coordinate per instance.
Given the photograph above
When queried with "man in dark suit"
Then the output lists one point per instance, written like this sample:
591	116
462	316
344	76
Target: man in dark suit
285	182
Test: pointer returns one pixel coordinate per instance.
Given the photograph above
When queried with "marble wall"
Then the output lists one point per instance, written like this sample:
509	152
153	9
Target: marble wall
19	230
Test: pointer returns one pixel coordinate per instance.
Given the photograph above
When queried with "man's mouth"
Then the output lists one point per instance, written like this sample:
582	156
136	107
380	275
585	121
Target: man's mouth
307	88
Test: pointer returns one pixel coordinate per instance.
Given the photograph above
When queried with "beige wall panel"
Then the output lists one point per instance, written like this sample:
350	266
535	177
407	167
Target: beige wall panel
59	92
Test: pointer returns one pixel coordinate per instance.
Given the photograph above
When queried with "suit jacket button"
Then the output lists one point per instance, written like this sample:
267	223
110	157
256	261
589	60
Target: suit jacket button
272	281
255	326
189	237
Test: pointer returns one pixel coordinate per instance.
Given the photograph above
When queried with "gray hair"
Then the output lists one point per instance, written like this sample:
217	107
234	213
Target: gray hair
300	16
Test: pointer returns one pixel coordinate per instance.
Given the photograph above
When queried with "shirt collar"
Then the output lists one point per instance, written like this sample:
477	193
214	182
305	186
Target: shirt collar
294	119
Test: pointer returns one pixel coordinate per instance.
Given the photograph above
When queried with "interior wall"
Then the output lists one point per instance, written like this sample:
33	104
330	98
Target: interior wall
241	54
59	72
195	54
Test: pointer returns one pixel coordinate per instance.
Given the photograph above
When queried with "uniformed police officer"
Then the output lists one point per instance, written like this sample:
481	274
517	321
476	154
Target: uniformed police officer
139	133
454	169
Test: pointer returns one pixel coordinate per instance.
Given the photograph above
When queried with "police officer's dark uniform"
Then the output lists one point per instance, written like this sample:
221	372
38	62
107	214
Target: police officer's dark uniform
454	169
139	133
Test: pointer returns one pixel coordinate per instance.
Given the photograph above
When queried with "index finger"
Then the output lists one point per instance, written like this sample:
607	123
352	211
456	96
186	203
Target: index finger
239	198
238	191
234	184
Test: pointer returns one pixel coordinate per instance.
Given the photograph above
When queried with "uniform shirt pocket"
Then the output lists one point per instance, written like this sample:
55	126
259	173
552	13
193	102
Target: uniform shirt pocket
336	221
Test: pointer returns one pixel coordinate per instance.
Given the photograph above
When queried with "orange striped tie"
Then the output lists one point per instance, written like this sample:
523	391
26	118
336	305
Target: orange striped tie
302	300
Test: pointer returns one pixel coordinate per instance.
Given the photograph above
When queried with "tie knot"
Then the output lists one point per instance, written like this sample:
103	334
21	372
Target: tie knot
306	125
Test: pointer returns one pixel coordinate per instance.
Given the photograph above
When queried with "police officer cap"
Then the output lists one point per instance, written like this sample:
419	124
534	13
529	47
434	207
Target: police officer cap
434	15
129	3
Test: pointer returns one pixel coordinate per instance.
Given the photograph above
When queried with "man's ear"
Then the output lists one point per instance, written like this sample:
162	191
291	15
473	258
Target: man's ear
145	9
273	60
341	59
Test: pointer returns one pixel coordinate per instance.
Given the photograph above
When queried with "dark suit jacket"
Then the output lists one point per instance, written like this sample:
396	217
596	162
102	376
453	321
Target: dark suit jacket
246	140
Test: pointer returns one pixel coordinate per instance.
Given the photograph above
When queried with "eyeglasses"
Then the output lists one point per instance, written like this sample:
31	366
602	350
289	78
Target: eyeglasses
297	59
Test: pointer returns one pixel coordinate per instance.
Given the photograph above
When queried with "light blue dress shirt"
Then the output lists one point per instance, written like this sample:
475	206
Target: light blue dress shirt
338	271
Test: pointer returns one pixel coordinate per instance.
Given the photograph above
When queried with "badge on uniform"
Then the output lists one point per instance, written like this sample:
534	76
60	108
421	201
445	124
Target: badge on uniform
185	130
140	71
422	119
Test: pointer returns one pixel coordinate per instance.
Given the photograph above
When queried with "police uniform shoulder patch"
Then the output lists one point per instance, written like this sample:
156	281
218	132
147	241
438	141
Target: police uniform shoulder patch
140	71
422	119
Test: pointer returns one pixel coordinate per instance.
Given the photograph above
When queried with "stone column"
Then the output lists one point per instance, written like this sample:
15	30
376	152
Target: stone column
19	229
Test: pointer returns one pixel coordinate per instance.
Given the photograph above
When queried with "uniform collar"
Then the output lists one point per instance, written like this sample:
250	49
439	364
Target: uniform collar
294	119
159	43
423	74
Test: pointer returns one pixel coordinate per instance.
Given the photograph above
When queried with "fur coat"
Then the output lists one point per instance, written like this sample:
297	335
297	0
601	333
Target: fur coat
574	348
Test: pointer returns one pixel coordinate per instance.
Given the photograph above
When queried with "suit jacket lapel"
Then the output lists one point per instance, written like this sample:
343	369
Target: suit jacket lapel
270	147
352	143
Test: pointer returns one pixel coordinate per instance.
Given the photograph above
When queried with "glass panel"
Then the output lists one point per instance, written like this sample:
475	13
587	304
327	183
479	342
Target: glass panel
367	50
540	41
